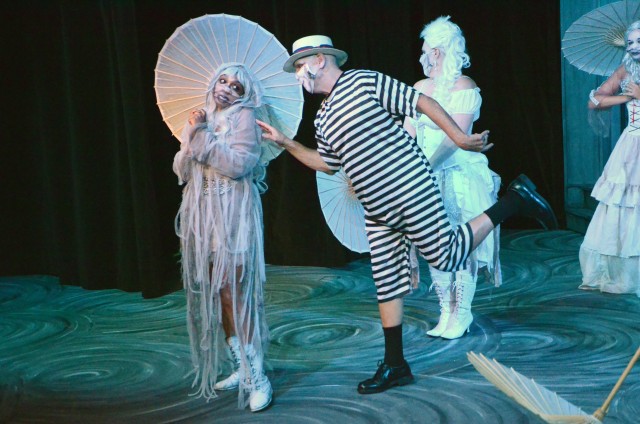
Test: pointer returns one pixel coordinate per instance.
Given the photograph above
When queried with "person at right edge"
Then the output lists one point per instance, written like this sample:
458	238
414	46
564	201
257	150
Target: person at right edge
610	252
359	129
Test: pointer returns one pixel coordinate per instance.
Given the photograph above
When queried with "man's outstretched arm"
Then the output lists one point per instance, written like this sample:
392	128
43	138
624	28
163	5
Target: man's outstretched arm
309	157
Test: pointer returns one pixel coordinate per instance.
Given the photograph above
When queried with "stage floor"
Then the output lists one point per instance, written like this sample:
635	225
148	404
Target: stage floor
68	355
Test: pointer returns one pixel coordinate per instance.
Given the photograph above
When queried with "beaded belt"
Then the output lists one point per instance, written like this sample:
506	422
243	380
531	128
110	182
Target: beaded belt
216	185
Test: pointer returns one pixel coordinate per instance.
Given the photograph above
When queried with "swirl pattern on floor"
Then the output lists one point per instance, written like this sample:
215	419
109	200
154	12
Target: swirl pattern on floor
70	355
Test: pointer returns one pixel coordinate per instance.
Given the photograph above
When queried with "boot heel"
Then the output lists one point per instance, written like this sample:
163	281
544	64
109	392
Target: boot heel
462	318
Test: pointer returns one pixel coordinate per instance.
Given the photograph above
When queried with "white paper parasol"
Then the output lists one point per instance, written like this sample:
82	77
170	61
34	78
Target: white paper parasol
595	42
542	402
342	210
187	63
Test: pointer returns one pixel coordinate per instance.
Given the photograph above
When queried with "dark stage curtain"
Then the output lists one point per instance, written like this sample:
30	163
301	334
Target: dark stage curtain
87	188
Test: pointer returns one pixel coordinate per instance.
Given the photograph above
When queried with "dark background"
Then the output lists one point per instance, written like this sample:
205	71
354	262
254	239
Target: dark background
87	188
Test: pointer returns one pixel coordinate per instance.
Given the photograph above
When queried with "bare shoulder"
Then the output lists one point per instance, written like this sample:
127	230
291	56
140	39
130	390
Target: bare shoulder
464	83
614	80
619	73
620	69
422	84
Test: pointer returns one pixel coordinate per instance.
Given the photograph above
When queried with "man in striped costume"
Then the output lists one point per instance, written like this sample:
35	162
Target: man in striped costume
359	129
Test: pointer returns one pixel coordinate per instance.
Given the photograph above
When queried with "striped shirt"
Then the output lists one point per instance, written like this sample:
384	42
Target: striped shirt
359	128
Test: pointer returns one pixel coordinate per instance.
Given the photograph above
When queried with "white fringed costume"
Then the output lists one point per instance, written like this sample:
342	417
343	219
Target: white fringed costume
221	239
610	252
467	184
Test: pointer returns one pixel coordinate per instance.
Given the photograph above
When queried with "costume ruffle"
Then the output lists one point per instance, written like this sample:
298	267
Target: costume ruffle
614	231
619	183
610	274
610	252
466	101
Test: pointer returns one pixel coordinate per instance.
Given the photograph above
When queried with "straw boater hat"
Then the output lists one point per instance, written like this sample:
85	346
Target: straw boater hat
313	44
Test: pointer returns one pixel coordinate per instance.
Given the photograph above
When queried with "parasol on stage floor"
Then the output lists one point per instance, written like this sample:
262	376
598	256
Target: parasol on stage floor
543	402
595	42
342	210
188	61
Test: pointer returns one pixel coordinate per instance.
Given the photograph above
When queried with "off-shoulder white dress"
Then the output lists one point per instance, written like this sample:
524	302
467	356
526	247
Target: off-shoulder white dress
467	184
610	252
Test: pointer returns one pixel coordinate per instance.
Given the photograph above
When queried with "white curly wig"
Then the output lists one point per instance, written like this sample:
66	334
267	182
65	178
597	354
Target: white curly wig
443	34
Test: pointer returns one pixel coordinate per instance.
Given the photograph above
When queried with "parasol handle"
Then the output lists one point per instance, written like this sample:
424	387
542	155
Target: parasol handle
602	411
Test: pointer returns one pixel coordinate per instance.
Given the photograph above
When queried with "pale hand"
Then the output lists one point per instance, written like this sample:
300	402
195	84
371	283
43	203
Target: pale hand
632	90
477	142
271	133
197	116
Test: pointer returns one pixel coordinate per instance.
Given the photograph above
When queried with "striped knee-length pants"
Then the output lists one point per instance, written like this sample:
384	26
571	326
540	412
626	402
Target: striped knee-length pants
428	228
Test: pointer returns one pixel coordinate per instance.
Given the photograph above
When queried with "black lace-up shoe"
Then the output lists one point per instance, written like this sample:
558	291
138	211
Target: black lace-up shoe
385	378
536	206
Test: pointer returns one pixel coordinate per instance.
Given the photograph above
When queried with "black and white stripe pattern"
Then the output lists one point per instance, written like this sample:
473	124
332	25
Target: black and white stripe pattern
359	129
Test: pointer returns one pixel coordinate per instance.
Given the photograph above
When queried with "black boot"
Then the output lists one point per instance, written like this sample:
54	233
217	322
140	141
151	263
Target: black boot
535	206
385	378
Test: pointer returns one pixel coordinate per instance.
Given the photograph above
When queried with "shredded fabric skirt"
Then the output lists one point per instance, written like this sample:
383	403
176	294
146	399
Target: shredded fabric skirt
610	252
221	243
468	190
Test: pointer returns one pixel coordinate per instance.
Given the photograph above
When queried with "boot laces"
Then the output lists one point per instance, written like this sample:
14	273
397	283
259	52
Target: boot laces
459	289
257	377
439	293
234	356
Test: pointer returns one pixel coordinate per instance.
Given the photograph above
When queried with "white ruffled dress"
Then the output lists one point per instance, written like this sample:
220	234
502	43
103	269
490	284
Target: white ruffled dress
221	240
610	252
467	184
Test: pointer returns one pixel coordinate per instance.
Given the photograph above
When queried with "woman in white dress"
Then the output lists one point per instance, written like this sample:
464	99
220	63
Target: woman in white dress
610	252
467	184
221	238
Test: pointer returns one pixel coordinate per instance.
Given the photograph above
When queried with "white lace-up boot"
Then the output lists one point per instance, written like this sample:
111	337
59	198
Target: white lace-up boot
461	318
442	284
261	392
232	382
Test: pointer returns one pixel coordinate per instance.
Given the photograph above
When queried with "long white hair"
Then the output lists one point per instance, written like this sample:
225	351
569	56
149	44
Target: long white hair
443	34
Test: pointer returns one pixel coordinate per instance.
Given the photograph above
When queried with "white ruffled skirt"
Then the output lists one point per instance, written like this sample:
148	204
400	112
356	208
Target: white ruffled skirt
610	252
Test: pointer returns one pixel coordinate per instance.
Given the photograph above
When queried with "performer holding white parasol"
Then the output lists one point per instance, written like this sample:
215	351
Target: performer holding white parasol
215	75
610	254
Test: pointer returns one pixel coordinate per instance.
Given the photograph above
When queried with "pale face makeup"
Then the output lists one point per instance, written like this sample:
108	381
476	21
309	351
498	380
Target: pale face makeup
426	60
304	73
633	44
226	91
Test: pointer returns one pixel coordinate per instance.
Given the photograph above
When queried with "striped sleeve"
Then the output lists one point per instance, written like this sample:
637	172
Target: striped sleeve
396	97
326	152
